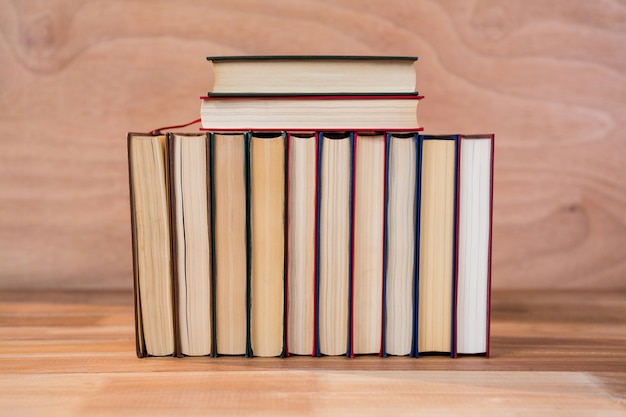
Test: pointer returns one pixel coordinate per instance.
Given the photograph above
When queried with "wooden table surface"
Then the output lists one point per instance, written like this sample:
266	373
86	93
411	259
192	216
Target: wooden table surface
73	354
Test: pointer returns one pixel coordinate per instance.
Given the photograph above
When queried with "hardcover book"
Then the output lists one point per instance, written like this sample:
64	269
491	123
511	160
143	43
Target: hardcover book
229	201
368	250
313	74
302	166
334	243
400	242
437	243
151	239
190	213
309	112
267	243
475	198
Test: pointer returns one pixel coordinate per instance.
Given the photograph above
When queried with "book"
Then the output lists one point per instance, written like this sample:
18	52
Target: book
369	222
152	263
267	243
313	74
191	247
334	243
309	112
301	236
475	197
436	274
400	251
230	249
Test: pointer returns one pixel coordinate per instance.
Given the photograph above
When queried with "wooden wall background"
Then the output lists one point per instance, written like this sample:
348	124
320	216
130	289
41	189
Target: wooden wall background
548	77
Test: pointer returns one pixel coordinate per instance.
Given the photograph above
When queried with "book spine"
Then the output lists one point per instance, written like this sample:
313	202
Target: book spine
171	167
285	136
286	240
247	138
211	181
353	144
416	234
487	353
383	329
416	288
455	244
316	290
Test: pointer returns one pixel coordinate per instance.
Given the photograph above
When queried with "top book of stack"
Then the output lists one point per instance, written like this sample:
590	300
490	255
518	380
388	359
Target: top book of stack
313	75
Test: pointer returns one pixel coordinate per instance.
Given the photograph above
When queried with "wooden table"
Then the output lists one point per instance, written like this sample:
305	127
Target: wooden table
72	354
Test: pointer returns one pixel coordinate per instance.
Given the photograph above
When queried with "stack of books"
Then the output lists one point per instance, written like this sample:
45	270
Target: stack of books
311	217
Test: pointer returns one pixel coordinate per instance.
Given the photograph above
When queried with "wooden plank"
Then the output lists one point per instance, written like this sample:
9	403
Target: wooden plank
308	393
548	79
73	353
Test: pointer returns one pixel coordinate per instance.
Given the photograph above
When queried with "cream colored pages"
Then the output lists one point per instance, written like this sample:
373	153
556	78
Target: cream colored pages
314	76
400	245
230	243
473	273
368	243
267	206
193	250
152	242
334	246
436	241
301	238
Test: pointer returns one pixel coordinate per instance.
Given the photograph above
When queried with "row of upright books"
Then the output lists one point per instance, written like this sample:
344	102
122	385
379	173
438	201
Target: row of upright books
311	218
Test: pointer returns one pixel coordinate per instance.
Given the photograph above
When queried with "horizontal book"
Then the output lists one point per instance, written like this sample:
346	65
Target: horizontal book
313	74
310	112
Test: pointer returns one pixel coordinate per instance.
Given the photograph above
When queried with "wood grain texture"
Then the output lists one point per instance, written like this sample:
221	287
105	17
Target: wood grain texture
548	78
555	353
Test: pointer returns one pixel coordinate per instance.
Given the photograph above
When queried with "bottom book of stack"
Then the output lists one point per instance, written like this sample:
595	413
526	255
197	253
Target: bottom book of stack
319	243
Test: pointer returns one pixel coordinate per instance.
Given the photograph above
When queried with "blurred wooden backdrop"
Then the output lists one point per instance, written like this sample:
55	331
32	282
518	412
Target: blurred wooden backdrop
548	77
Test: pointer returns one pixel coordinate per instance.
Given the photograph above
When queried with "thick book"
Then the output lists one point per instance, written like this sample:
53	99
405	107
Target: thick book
267	190
400	242
436	278
229	223
302	194
313	74
334	244
368	249
190	212
475	200
151	240
310	112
